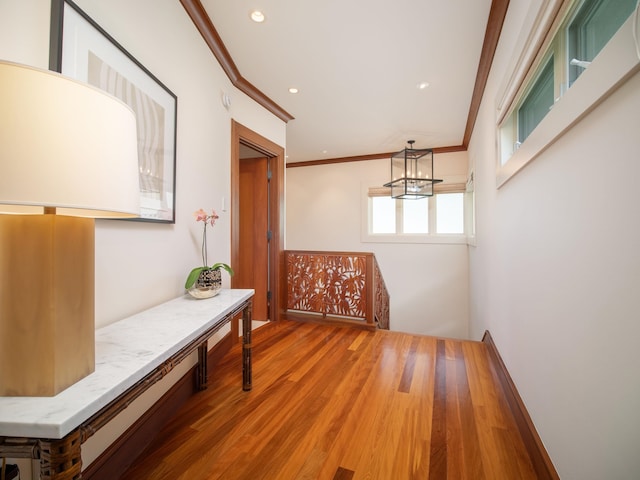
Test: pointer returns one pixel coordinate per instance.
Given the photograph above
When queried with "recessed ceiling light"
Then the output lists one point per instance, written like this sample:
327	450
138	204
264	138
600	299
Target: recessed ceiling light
423	85
257	16
293	90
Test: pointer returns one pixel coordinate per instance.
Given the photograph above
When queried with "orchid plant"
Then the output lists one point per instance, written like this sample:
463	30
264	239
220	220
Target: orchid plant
207	219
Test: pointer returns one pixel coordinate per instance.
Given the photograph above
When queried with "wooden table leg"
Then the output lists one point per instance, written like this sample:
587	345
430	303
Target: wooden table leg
61	459
246	347
202	375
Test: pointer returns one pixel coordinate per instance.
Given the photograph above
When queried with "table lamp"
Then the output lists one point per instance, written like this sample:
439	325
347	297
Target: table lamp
68	155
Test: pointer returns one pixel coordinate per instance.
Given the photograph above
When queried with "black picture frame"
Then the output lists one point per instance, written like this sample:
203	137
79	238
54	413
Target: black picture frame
81	49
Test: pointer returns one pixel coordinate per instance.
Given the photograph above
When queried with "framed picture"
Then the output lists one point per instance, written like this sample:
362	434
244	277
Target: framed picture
81	49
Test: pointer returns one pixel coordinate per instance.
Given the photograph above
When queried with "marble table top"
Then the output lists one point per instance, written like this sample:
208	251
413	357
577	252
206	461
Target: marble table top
126	351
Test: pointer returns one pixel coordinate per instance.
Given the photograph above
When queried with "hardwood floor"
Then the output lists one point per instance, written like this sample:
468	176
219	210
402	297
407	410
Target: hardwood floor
338	403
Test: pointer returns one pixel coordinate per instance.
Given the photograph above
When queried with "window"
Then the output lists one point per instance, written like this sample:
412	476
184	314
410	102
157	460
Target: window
383	215
415	216
592	27
583	29
537	103
450	213
416	220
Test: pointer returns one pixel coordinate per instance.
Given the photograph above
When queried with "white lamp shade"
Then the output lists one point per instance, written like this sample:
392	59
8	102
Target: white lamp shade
65	144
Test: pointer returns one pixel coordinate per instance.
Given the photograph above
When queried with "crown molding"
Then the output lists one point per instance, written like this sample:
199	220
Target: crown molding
372	156
497	15
203	23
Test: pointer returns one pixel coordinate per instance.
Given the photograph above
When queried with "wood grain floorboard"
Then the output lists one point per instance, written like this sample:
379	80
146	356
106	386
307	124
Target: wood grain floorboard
438	440
336	403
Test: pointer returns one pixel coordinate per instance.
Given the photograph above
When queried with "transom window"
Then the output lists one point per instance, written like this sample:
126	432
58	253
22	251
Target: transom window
584	30
592	26
537	103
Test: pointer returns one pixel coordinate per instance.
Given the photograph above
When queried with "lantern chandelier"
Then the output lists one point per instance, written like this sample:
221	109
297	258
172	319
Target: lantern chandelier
412	173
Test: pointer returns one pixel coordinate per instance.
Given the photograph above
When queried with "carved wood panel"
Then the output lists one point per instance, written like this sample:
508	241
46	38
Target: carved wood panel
381	305
327	284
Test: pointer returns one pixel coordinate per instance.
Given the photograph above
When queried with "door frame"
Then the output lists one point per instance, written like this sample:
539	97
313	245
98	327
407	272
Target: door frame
242	134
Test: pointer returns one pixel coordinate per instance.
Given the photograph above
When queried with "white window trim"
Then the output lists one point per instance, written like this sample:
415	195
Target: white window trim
458	239
470	209
615	64
433	238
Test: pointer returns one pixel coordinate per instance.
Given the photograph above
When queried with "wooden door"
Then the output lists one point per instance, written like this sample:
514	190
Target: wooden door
253	265
243	136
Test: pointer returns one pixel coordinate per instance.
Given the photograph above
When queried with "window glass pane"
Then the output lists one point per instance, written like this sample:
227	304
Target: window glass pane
594	25
415	216
383	215
450	213
537	103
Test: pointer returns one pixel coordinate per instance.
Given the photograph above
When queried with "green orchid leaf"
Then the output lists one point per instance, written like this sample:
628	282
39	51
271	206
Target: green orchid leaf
193	276
224	266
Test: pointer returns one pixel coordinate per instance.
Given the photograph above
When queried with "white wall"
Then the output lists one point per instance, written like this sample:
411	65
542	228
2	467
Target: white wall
555	276
427	283
142	264
162	37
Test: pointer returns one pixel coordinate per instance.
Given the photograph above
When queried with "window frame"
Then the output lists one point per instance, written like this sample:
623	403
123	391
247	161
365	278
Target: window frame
434	238
535	90
608	70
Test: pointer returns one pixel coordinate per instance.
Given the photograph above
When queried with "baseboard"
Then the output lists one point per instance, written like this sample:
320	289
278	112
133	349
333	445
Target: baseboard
539	457
327	320
123	452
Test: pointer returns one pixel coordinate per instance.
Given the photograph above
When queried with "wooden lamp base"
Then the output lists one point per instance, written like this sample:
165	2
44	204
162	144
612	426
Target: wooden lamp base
47	325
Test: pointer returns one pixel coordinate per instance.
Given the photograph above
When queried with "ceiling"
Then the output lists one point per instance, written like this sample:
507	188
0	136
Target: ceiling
357	65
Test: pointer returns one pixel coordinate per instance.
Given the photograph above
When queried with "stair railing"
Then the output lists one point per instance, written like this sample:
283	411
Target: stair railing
336	286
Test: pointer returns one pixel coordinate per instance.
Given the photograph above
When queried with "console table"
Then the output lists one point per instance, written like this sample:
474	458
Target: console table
131	355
